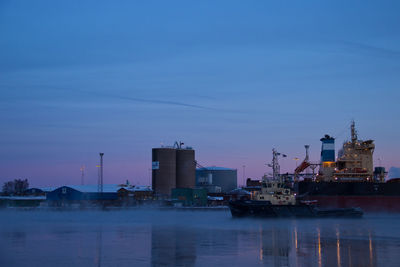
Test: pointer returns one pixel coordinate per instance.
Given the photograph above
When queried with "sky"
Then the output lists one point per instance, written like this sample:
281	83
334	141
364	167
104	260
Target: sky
232	79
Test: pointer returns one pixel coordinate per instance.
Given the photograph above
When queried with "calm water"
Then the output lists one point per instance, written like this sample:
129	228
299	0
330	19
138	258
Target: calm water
193	238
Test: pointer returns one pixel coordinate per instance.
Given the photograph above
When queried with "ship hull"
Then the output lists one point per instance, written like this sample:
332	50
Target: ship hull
251	208
370	197
366	203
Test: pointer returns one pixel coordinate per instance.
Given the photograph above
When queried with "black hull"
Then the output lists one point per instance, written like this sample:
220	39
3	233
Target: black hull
370	197
251	208
348	189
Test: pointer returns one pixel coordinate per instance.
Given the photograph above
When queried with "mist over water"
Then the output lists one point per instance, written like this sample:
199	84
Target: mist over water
193	238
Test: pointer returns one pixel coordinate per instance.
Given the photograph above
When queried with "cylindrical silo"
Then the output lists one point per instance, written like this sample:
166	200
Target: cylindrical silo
164	171
185	168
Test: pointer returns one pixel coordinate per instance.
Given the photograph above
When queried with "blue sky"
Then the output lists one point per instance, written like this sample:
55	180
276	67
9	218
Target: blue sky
233	79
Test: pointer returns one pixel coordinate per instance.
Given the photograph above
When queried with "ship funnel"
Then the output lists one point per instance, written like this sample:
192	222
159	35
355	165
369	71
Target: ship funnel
328	149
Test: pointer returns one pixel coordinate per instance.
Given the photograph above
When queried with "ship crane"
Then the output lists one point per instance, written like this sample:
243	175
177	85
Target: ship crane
305	164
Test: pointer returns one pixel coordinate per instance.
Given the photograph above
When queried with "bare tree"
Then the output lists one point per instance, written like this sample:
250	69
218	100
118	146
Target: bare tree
16	187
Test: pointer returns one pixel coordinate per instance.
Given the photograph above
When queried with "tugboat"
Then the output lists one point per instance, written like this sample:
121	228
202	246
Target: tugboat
276	199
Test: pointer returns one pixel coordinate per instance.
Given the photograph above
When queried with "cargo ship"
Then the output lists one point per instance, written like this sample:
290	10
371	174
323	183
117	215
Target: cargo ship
350	179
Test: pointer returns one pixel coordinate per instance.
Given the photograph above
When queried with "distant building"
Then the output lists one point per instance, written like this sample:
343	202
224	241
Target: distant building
67	195
21	201
190	196
89	194
135	195
216	179
38	191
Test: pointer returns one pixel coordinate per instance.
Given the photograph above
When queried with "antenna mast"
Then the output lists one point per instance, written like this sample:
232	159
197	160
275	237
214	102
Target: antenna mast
275	164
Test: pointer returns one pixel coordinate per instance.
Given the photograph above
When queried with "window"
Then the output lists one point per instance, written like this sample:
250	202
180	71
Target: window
64	190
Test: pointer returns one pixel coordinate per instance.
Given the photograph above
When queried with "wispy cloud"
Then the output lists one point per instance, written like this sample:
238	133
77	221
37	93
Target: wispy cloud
371	49
121	97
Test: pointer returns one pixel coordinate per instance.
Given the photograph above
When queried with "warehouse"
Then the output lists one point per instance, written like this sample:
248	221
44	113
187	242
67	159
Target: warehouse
82	194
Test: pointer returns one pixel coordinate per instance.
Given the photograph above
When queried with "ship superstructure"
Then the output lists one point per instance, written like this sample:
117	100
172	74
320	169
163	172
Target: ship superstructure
354	161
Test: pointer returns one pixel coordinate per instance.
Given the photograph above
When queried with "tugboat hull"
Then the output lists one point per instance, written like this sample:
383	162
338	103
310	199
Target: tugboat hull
251	208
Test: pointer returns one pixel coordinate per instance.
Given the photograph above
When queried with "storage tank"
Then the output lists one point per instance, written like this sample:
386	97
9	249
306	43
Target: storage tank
163	171
225	178
185	168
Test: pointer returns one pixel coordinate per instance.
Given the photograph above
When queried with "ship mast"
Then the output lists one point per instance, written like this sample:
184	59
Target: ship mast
275	164
353	132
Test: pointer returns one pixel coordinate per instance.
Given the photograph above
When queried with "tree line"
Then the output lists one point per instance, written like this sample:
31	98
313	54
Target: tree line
16	187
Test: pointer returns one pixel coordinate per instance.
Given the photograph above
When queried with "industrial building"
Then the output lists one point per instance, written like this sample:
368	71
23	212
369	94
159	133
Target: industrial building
136	195
190	196
73	194
216	179
90	195
172	167
21	201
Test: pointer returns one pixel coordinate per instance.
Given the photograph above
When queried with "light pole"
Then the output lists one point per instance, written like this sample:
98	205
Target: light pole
244	171
101	172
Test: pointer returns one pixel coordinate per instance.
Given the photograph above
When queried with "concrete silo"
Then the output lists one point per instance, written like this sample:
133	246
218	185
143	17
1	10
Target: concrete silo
163	171
185	168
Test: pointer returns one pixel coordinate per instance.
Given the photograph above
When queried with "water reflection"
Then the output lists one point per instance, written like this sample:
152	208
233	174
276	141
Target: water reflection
324	246
173	246
99	246
271	246
275	246
224	242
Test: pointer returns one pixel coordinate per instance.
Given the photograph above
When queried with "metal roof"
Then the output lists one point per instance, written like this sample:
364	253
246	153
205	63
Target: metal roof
107	188
46	189
23	197
142	188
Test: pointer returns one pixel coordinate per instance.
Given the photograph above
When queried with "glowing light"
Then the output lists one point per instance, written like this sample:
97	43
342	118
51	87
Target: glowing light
370	249
338	248
319	249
